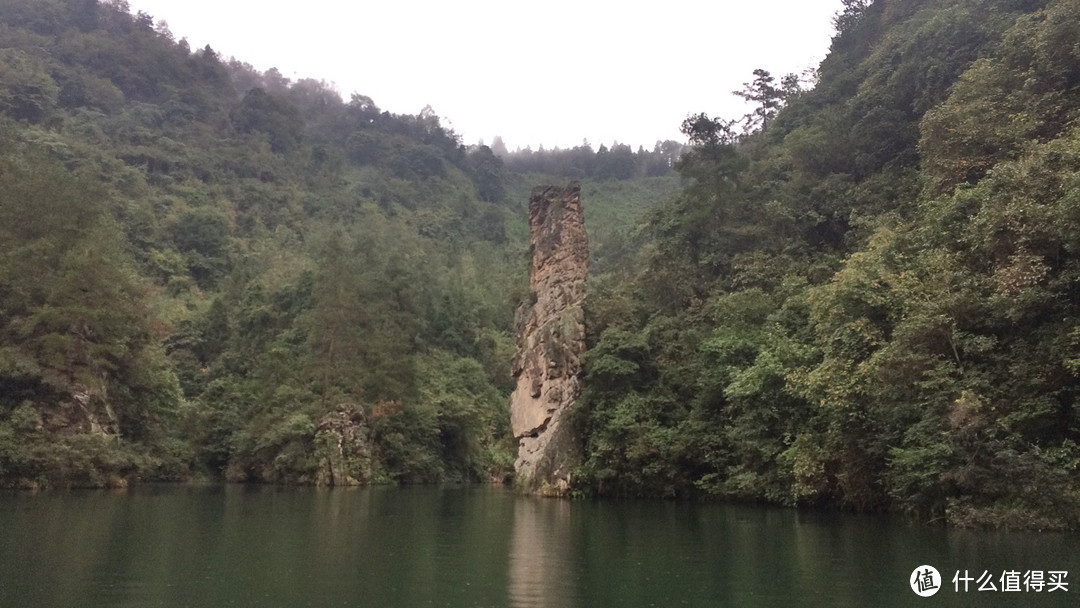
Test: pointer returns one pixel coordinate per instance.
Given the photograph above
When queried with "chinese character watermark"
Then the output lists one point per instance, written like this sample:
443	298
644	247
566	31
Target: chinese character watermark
1011	581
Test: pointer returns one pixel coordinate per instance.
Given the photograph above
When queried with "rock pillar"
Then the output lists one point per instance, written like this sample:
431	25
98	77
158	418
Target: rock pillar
550	342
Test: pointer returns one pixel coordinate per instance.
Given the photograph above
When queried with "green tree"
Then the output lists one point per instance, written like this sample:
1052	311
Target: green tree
78	353
28	92
766	98
277	118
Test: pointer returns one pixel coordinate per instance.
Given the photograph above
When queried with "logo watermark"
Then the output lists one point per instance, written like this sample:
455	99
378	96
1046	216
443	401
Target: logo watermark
925	581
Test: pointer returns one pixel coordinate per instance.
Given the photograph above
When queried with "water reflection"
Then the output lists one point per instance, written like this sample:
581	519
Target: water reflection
289	547
541	563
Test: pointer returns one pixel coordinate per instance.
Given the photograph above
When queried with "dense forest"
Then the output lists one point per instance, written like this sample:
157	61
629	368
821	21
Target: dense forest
211	272
867	296
863	294
203	266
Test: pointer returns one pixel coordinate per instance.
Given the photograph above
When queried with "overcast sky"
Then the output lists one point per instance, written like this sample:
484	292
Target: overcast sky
552	73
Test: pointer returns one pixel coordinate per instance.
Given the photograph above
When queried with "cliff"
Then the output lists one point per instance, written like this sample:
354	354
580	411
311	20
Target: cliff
551	340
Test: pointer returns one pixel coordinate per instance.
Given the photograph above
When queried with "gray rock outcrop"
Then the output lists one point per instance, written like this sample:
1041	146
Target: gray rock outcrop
342	448
550	342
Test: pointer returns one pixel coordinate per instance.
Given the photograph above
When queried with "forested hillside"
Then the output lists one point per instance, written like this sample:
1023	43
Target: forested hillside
871	297
211	272
864	294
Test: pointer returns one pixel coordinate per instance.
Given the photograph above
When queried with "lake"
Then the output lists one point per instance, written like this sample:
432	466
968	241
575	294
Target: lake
484	546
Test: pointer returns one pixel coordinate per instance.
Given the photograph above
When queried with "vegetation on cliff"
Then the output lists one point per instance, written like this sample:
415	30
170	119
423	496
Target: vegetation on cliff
870	300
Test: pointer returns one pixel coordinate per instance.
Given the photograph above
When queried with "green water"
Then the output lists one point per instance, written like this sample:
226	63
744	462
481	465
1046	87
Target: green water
265	546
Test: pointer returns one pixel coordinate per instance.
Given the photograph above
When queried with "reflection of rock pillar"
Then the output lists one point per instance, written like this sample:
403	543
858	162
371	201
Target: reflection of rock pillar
541	558
551	340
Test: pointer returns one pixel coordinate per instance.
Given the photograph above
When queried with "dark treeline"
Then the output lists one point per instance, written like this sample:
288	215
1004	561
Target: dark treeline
619	162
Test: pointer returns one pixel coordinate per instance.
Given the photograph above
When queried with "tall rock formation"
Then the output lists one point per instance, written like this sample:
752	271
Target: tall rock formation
550	342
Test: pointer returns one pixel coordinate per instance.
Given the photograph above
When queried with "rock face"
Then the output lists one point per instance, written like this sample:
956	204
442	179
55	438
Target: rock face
342	447
550	342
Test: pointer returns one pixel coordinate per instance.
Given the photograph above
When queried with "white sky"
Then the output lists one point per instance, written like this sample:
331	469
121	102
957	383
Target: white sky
551	73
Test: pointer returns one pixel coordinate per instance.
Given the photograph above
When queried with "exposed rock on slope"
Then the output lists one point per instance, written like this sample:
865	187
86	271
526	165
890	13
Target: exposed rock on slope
342	445
551	340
